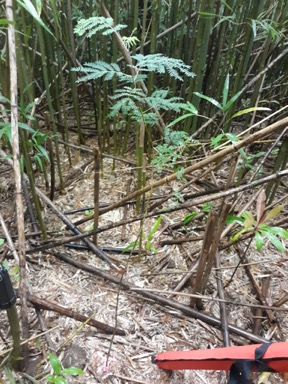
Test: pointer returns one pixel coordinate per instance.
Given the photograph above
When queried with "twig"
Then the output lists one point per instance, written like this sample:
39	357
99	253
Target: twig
8	238
96	191
51	306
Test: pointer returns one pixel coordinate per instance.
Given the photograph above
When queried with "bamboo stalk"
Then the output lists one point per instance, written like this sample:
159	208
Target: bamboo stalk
23	290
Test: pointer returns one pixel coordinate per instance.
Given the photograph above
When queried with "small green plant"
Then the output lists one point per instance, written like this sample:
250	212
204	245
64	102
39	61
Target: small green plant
206	207
170	152
58	375
148	240
189	218
37	138
13	272
131	40
246	160
132	100
226	104
90	227
258	226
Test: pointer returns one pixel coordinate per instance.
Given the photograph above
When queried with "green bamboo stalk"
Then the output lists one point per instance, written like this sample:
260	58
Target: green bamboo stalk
14	323
144	22
75	100
49	102
30	174
204	28
251	13
279	165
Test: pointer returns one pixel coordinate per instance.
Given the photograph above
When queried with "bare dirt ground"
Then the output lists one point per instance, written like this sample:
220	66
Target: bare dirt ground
150	328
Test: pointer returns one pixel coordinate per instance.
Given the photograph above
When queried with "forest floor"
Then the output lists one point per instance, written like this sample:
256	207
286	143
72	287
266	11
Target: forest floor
150	327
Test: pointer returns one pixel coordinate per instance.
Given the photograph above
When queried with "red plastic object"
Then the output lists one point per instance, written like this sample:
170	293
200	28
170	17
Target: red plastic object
275	357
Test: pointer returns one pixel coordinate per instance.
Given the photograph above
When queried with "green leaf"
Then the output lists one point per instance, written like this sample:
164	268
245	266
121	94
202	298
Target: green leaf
1	241
210	99
248	110
259	241
5	21
26	127
55	363
132	245
225	90
231	137
6	265
231	101
72	371
148	246
180	118
238	234
243	154
60	380
216	140
50	379
274	240
189	107
206	207
281	232
189	217
254	29
154	228
208	14
234	219
28	5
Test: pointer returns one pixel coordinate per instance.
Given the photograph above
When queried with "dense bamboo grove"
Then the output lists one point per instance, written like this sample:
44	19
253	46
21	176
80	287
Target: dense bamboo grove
178	81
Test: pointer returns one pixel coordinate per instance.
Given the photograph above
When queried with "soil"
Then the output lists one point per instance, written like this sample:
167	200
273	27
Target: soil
150	328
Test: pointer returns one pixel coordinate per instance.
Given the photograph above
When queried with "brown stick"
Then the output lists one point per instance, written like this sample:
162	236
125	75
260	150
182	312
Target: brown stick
254	283
199	285
51	306
180	240
74	229
96	192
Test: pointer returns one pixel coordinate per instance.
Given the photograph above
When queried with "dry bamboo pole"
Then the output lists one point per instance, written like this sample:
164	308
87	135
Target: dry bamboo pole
96	191
23	287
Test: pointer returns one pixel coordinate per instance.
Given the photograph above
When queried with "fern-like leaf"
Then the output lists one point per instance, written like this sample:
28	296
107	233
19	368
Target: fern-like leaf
96	24
100	69
160	64
158	100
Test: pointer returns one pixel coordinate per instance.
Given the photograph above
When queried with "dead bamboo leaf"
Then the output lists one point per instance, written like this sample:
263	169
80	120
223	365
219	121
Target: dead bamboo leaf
273	213
260	205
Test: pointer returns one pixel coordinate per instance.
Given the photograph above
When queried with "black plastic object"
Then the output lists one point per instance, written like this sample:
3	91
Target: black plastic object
7	293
